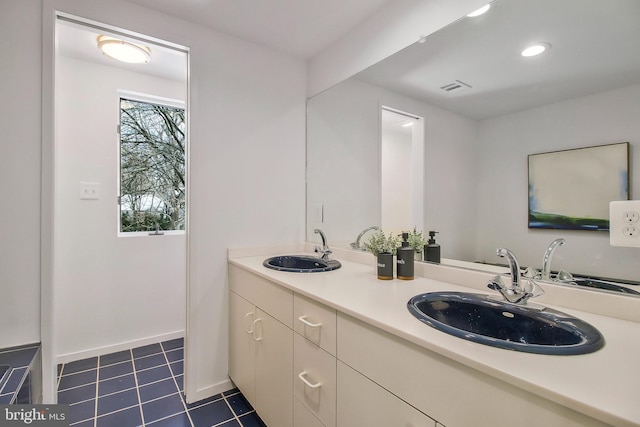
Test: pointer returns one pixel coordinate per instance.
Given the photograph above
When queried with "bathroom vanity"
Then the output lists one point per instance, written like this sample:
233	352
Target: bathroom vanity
340	348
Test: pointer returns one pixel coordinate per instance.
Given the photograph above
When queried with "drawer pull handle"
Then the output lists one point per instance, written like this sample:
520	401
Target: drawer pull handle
304	320
302	376
250	331
255	329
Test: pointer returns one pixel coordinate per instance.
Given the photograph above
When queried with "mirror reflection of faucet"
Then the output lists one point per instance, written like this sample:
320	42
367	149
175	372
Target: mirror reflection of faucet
562	275
546	259
356	245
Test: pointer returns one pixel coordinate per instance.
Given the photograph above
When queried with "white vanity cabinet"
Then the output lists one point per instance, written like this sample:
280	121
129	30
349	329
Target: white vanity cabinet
261	345
350	354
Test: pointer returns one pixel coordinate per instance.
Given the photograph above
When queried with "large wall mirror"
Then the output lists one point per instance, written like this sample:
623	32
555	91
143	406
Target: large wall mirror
485	108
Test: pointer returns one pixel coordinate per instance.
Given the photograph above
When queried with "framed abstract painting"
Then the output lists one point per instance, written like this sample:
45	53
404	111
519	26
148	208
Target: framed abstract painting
571	189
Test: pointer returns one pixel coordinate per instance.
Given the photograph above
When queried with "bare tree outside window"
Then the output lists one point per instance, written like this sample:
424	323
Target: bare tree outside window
152	166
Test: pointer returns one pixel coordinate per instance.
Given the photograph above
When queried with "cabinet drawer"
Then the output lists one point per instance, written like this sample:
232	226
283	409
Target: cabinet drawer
361	402
302	417
315	379
316	322
273	299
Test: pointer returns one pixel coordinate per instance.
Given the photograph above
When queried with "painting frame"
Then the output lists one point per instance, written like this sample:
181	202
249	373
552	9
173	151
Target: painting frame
571	189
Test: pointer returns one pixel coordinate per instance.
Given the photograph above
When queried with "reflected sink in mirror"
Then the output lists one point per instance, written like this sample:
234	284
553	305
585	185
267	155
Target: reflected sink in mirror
479	318
603	285
301	264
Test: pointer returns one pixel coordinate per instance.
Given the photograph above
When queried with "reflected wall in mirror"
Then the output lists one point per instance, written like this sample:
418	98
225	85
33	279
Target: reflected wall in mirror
584	91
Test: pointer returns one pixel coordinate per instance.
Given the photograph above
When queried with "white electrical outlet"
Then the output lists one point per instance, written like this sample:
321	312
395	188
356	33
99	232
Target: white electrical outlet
89	191
624	223
631	216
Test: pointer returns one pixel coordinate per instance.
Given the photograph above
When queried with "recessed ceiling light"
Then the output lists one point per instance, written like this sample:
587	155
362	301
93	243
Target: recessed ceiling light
124	51
480	11
535	49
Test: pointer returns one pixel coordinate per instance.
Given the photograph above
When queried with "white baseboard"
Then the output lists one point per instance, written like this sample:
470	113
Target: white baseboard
209	391
98	351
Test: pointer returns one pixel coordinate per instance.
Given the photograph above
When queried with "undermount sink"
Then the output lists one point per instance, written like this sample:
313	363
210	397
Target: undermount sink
478	318
301	264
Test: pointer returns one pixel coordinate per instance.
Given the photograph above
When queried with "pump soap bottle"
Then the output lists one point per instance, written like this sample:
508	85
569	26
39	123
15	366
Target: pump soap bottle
405	258
432	249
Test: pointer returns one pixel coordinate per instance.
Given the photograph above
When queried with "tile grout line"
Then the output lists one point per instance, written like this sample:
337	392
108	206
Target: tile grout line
235	416
135	378
118	410
95	406
182	399
60	377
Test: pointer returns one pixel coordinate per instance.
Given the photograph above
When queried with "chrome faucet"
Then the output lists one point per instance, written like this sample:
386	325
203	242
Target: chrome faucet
323	251
518	292
546	260
356	245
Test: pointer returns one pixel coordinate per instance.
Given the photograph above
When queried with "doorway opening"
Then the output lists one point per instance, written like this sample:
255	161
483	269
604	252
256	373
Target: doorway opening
115	291
402	170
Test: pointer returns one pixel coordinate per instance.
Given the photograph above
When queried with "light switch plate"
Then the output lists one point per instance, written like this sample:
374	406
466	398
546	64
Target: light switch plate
89	191
319	217
624	223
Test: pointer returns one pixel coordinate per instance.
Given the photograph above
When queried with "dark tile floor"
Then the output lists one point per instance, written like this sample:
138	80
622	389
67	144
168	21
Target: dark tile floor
144	387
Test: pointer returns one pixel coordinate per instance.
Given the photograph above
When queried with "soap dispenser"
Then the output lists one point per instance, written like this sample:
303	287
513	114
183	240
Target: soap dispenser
432	249
405	259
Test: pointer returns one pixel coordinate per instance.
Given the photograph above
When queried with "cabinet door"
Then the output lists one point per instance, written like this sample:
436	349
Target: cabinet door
274	371
361	402
242	369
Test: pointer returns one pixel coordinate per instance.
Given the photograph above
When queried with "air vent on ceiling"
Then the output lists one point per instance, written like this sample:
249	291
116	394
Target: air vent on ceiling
455	86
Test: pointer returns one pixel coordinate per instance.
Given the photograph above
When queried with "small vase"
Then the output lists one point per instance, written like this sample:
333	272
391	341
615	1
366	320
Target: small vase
418	256
385	266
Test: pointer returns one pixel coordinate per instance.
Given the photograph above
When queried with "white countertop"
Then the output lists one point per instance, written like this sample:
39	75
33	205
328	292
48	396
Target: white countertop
604	385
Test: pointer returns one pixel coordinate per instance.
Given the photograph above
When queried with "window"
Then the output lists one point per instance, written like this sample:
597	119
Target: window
152	166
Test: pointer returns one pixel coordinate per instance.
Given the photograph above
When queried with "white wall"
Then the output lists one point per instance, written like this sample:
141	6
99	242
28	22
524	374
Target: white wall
247	130
393	27
344	165
112	293
603	118
20	29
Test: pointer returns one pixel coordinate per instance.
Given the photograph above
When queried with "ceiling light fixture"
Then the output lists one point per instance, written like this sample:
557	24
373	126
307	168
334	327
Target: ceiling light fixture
480	11
124	51
535	49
